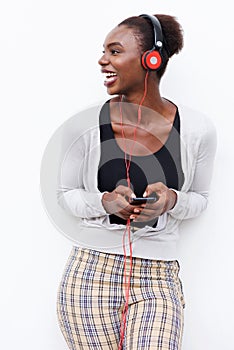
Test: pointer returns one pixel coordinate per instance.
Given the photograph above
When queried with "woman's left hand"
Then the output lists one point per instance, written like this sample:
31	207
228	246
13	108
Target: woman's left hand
149	211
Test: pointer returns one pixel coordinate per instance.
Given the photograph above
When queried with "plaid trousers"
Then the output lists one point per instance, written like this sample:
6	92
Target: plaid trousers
91	298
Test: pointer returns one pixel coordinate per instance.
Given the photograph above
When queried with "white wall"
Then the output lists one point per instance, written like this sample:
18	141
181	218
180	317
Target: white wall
48	72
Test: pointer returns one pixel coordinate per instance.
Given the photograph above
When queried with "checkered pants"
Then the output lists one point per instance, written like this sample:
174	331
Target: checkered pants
91	297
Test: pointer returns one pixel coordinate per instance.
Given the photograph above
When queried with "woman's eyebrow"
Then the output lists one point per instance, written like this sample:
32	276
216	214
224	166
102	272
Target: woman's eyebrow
114	44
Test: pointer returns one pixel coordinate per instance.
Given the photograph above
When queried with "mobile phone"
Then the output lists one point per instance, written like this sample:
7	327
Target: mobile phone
143	200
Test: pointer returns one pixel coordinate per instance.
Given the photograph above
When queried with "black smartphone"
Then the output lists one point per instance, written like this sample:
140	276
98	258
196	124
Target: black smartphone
143	200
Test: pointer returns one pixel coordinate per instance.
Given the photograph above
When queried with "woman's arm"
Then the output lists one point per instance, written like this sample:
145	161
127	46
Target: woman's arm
77	176
192	203
77	190
82	203
179	204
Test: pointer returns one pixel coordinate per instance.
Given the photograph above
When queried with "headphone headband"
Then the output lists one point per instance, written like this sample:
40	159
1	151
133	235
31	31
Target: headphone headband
158	35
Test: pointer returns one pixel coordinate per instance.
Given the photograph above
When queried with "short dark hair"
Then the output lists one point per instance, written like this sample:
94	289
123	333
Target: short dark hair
172	33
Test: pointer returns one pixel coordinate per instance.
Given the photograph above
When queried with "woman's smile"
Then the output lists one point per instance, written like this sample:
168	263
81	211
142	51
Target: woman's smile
109	77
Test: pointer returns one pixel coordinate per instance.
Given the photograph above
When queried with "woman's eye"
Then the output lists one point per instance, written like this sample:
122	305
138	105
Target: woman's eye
114	52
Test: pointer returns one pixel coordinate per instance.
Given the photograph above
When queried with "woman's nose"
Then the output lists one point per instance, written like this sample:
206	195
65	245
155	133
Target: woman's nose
103	60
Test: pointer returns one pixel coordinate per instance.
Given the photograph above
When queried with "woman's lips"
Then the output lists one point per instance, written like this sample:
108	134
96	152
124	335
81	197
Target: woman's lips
110	81
110	78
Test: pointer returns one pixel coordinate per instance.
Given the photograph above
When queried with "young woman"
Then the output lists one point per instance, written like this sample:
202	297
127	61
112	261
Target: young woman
120	288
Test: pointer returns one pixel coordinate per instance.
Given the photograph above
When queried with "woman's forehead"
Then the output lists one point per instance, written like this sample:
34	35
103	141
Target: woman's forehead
122	35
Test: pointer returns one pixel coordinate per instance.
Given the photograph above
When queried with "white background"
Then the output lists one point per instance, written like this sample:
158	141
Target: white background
49	72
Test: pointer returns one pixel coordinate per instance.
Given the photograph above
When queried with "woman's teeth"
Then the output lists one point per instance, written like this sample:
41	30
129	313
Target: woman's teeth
110	75
110	78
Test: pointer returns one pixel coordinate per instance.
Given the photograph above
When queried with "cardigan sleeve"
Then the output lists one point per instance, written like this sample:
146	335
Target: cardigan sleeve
82	203
74	192
193	202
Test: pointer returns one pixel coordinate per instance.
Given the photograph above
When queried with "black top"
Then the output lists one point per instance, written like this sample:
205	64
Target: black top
162	166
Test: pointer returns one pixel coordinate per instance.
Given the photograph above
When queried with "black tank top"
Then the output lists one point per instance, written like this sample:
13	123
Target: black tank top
162	166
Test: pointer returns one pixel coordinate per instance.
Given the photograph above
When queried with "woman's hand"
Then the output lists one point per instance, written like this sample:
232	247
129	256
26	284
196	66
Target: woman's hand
167	200
116	202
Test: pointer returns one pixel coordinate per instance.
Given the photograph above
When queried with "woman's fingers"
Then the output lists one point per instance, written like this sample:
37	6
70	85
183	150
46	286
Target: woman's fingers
157	187
167	197
124	191
149	211
116	202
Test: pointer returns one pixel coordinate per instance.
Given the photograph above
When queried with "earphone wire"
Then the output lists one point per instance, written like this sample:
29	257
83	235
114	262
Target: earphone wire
128	158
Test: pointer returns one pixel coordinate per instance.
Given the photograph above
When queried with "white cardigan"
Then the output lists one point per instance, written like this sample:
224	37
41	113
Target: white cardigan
78	193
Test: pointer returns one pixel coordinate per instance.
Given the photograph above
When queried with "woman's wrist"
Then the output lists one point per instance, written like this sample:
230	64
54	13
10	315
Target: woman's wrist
172	200
105	200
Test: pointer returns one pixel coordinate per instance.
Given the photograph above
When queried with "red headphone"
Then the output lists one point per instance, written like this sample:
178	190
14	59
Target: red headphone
152	59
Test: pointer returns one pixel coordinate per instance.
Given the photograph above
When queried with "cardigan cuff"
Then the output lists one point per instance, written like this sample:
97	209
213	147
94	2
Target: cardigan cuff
178	209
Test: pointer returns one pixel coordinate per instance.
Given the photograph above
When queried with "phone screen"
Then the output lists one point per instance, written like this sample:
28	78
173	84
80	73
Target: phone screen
142	200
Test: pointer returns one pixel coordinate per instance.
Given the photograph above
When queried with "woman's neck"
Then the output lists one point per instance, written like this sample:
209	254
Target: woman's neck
153	108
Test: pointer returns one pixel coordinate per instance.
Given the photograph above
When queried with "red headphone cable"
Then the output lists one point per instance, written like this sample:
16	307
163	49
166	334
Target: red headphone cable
128	228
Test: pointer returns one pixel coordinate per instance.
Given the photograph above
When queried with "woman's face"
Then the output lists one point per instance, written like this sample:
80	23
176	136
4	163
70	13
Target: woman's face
121	62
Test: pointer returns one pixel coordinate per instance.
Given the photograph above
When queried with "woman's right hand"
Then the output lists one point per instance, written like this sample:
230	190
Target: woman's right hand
116	202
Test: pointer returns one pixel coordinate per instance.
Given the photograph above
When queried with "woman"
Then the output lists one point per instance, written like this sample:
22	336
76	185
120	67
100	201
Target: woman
121	288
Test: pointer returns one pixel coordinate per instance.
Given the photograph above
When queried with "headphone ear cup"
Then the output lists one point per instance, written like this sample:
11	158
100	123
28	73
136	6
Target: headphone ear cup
151	60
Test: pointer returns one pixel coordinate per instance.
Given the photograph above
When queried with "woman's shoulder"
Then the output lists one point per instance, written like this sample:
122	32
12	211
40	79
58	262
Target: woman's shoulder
81	128
194	122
